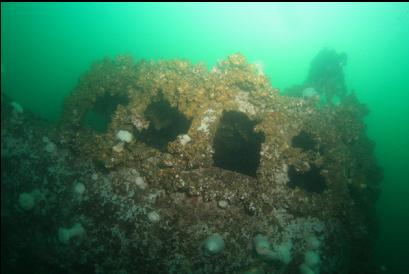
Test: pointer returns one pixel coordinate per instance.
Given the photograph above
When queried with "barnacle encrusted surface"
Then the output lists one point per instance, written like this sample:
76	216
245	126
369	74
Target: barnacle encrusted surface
204	153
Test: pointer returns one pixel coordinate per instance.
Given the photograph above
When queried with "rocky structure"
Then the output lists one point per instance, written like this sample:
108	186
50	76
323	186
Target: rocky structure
166	167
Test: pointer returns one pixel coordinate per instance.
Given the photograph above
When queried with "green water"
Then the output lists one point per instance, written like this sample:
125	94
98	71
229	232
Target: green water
46	47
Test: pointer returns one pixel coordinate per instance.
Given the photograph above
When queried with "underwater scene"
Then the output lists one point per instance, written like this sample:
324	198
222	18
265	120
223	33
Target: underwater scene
251	138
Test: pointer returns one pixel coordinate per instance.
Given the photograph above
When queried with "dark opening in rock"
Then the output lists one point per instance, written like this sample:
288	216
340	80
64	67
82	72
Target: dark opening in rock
304	141
311	181
165	124
236	145
100	115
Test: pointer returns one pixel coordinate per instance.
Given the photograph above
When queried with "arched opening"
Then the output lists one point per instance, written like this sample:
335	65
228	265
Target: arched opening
99	117
304	141
311	180
236	145
165	124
